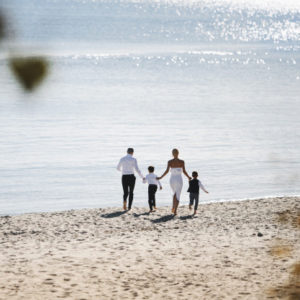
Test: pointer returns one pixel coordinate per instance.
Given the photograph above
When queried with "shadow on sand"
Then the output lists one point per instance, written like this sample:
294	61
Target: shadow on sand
163	219
114	214
143	214
188	217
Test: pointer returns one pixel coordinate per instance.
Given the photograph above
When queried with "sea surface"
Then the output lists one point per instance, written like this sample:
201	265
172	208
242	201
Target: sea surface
219	80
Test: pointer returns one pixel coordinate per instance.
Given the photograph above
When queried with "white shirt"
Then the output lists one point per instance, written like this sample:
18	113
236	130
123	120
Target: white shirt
128	164
151	179
201	186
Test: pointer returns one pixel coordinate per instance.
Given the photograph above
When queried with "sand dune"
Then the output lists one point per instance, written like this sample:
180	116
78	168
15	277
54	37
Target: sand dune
232	250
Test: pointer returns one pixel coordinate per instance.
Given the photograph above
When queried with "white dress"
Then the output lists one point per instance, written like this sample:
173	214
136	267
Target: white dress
176	181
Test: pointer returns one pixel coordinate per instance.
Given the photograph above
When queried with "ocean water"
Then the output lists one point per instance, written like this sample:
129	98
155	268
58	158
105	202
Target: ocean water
219	80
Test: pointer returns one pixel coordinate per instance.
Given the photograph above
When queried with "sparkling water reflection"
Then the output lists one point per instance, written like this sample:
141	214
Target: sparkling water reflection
219	81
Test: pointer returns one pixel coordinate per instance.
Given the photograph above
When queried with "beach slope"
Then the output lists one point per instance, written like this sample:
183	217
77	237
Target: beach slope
231	250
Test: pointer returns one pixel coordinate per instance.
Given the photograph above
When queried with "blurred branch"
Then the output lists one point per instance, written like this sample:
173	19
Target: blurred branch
29	71
2	26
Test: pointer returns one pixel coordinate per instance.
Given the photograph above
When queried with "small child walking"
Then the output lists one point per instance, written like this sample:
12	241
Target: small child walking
152	188
194	186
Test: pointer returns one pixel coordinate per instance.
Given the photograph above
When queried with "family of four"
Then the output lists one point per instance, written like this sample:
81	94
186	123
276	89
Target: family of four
128	165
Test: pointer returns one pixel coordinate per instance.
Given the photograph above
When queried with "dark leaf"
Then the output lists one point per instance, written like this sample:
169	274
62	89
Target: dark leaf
30	71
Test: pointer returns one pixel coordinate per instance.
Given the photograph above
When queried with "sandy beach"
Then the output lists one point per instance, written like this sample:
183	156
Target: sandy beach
232	250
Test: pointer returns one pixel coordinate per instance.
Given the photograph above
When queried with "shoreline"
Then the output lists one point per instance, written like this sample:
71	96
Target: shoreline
243	249
201	202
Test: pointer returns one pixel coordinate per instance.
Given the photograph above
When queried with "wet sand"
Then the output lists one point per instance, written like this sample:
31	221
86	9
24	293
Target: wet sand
230	250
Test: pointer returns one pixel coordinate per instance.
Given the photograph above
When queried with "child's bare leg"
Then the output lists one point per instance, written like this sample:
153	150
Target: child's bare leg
174	201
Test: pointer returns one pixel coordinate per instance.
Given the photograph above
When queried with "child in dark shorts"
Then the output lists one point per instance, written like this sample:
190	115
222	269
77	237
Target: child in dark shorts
151	178
194	189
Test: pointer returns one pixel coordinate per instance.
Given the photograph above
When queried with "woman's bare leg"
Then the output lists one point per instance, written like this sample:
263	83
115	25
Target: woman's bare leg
174	201
176	205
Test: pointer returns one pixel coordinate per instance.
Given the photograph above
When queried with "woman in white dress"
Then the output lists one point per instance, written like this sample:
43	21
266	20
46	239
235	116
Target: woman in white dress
177	168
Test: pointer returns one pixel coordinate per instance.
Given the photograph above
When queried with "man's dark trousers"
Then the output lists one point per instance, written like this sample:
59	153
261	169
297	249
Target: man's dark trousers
128	182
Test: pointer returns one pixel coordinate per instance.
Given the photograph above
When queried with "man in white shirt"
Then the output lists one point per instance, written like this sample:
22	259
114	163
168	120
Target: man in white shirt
128	165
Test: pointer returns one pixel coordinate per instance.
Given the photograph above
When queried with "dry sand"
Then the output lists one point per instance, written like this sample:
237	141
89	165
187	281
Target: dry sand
109	254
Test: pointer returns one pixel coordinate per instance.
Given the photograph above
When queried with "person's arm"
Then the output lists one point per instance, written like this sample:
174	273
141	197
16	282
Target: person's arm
165	173
184	172
138	170
119	165
159	184
202	187
145	179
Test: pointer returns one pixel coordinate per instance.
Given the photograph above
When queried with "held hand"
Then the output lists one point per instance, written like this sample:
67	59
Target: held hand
190	178
158	178
206	192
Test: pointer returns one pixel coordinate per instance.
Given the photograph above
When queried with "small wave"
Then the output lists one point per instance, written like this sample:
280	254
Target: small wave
236	4
217	53
253	198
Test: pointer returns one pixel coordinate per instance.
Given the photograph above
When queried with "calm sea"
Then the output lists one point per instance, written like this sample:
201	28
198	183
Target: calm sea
219	80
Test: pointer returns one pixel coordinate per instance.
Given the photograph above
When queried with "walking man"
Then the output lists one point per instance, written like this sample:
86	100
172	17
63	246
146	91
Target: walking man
127	165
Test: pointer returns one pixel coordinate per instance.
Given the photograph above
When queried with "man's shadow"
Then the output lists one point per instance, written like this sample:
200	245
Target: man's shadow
114	214
163	219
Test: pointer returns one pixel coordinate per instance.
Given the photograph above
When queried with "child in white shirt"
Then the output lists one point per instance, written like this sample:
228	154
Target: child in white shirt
152	188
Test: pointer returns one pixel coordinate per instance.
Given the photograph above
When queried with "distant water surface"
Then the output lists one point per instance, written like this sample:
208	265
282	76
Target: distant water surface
218	80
